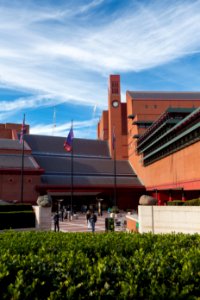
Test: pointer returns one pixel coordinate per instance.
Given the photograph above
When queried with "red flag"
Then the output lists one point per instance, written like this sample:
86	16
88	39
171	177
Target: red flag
23	131
68	141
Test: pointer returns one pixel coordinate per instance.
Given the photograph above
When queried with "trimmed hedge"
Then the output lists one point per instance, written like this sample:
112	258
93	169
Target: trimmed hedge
193	202
16	207
56	266
175	203
17	219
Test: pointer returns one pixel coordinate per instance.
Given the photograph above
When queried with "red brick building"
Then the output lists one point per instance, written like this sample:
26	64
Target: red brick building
159	134
157	151
47	170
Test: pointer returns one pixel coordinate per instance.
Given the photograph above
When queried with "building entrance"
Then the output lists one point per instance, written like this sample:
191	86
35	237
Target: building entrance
80	202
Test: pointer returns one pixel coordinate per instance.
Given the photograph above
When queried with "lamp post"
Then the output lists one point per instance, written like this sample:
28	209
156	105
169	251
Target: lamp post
99	206
59	203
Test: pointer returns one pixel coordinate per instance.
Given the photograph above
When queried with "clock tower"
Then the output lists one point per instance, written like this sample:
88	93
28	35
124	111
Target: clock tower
114	114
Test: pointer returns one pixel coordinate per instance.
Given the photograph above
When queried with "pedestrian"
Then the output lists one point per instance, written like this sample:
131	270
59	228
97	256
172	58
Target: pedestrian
68	213
88	214
62	213
92	220
56	222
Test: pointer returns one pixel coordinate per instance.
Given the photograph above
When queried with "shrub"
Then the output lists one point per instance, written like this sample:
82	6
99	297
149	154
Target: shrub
193	202
16	207
48	265
114	210
17	219
175	202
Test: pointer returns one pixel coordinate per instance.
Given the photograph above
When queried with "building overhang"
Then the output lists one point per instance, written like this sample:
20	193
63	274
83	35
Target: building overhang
75	193
184	185
19	171
84	188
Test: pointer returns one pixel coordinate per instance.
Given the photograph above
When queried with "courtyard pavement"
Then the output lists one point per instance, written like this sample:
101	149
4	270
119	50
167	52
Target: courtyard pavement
79	224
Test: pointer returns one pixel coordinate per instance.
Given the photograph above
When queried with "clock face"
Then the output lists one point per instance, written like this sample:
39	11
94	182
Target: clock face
115	103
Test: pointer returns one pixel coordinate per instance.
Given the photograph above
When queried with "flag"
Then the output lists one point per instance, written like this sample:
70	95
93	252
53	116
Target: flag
68	141
23	131
113	139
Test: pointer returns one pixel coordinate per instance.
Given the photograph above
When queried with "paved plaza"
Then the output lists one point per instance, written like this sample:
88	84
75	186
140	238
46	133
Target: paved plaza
79	224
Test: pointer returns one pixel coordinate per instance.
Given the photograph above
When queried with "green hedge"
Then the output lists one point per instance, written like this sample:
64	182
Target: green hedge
17	219
48	265
16	207
193	202
175	202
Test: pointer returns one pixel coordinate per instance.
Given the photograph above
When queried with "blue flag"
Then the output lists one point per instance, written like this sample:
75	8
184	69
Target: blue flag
68	141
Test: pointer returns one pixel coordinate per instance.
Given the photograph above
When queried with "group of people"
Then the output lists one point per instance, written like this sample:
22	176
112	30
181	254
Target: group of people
91	219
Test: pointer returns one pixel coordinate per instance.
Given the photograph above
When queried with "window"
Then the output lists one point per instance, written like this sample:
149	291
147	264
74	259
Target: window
115	87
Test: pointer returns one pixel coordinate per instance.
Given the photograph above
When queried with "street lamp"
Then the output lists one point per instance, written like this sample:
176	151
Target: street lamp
59	203
99	206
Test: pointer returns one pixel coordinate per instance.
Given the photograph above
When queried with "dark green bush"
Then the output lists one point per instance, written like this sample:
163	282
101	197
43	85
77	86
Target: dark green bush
17	219
48	265
193	202
114	210
175	202
16	207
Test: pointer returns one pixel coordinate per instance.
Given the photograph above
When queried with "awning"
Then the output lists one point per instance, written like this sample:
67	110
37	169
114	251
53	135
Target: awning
57	193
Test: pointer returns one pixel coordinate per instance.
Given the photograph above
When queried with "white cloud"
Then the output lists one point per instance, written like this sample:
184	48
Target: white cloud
90	5
65	53
63	130
139	40
28	102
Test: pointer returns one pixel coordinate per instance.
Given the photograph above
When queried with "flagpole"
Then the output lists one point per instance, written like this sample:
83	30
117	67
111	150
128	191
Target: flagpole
115	179
115	168
22	162
72	173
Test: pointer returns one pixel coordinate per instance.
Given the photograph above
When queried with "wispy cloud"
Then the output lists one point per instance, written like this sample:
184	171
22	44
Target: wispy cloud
65	50
62	130
90	5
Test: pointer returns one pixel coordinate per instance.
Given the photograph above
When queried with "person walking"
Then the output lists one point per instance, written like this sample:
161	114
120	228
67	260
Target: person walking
56	222
92	220
88	214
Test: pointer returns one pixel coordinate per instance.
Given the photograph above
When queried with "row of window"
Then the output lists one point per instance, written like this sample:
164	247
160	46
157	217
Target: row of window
165	139
115	87
150	106
184	141
156	144
171	117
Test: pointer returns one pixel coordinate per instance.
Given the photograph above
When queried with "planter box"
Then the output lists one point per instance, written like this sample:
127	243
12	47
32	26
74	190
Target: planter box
42	217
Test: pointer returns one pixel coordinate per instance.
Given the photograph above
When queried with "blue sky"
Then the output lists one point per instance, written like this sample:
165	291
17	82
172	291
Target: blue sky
56	56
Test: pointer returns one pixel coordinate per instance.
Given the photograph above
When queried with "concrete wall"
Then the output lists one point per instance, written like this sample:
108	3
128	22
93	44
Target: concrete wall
166	219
